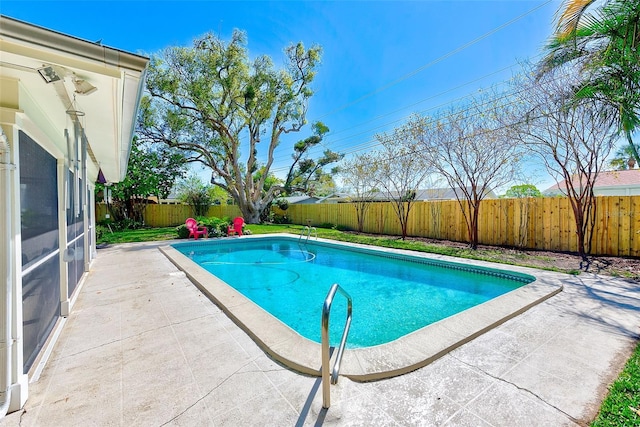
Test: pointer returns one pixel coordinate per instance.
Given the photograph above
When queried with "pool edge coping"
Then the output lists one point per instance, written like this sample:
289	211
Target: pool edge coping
406	354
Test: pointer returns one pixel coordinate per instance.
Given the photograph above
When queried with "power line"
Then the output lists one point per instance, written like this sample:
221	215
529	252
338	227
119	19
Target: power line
326	143
372	143
435	61
422	68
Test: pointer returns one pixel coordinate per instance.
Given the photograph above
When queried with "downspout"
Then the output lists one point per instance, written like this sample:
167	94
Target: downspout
5	265
85	201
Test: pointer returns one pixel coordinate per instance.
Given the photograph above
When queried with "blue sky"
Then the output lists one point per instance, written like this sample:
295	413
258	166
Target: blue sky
382	60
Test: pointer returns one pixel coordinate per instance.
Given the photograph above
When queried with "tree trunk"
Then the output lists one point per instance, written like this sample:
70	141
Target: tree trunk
578	215
250	214
473	237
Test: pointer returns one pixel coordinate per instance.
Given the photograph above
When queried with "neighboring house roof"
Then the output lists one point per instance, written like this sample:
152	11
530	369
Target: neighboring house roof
609	183
335	198
298	200
445	194
50	68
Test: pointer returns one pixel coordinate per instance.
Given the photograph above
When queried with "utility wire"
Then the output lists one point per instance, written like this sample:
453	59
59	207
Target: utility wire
326	143
435	61
422	68
373	142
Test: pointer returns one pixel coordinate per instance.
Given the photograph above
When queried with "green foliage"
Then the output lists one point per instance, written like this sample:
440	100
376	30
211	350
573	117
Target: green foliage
624	158
408	196
195	193
282	204
217	226
269	181
152	170
522	191
622	405
218	195
182	231
603	44
204	99
307	175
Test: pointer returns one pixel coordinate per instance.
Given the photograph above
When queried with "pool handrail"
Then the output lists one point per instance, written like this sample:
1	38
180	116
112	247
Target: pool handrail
326	310
309	230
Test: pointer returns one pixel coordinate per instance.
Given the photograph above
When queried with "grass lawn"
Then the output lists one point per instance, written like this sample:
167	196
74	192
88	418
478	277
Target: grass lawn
139	235
169	233
621	407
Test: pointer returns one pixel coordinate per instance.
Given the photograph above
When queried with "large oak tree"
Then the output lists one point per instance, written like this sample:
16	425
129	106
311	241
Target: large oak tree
221	107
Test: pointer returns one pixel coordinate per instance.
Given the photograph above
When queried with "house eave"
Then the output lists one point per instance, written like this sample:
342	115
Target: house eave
109	113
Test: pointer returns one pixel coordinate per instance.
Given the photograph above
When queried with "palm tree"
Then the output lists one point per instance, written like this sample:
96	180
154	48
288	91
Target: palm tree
623	158
603	44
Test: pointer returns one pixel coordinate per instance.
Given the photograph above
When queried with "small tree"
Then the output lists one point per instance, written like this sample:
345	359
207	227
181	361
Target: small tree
572	138
218	195
196	194
399	170
358	175
151	171
522	191
471	150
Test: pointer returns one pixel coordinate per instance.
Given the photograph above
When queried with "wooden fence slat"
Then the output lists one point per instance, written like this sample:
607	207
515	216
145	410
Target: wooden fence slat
624	226
634	226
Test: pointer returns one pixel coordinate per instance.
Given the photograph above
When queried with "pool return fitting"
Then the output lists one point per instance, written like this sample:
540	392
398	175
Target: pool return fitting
326	310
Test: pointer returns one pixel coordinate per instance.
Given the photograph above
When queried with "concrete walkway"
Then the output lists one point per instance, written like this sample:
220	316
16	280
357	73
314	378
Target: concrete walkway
143	347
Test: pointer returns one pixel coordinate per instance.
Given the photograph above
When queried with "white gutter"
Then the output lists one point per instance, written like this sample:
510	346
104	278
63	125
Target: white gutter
5	264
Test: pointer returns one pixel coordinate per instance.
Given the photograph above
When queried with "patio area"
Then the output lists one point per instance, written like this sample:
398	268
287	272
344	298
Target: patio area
143	346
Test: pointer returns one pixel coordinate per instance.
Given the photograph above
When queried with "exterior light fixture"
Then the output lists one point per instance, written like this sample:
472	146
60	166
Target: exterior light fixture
49	74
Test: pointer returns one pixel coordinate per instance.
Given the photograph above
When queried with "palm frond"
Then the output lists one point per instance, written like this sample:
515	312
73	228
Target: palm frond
569	19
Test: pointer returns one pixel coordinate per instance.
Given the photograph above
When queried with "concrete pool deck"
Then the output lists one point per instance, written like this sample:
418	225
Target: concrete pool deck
143	346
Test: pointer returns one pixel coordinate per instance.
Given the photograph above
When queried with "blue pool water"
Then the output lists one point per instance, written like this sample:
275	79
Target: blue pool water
392	295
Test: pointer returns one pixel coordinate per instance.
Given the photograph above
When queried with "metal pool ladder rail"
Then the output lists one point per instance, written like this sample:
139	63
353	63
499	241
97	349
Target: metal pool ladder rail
308	231
326	310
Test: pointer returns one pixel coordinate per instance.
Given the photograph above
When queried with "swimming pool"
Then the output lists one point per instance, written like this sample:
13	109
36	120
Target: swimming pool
392	295
255	281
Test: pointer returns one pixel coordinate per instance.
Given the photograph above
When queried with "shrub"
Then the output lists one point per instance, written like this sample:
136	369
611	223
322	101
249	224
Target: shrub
282	204
101	230
183	231
280	219
334	226
217	226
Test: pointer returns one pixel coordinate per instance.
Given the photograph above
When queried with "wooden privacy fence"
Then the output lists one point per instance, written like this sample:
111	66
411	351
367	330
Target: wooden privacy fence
172	215
532	223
